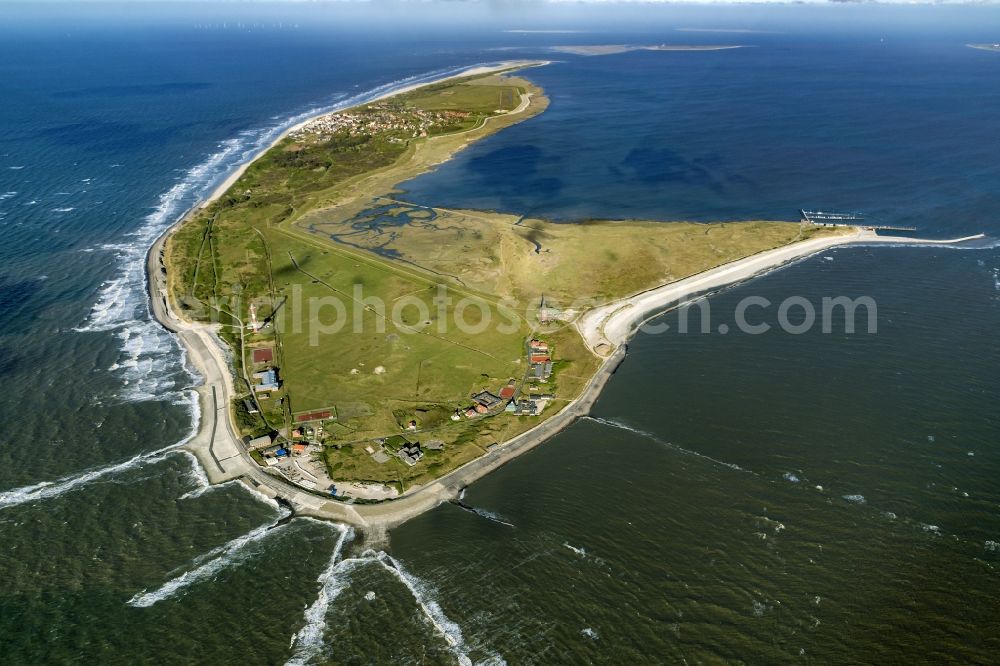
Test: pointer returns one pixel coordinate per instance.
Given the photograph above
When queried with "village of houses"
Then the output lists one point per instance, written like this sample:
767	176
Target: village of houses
376	119
298	456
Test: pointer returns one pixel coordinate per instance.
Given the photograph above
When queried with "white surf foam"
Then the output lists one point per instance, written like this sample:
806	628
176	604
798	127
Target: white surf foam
308	641
198	492
421	592
579	551
234	552
148	352
855	499
648	435
259	496
489	515
49	489
148	362
197	476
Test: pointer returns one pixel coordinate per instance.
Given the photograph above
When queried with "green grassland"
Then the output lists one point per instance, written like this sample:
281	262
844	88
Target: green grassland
593	261
297	236
480	96
374	369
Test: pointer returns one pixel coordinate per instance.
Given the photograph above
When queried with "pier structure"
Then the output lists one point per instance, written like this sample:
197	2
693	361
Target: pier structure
831	218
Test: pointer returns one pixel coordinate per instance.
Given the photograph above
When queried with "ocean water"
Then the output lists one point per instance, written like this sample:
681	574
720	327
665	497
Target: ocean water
758	498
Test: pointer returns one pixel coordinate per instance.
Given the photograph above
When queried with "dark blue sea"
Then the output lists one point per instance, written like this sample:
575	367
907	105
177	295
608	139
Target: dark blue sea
765	498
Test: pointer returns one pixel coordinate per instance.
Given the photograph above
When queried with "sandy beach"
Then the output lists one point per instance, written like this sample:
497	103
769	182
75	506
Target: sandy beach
472	71
216	444
605	329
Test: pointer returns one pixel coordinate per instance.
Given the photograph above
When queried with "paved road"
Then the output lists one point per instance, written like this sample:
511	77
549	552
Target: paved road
224	458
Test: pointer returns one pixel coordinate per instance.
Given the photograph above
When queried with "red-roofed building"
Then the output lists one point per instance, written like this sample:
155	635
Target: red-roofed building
481	408
538	345
312	416
263	355
507	392
540	358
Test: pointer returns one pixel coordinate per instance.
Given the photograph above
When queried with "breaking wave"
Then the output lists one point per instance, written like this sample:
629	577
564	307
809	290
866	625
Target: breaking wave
197	476
149	354
450	631
50	489
234	552
309	641
648	435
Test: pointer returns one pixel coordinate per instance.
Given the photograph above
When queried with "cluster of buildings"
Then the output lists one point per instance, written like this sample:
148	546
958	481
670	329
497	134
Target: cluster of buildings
409	452
293	457
509	399
266	381
265	375
379	118
540	361
530	406
275	452
485	403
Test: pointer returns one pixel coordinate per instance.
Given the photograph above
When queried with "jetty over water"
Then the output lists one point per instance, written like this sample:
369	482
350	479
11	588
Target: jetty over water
831	218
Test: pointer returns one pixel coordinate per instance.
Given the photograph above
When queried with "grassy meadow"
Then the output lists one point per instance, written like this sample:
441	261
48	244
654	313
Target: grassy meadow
593	261
348	279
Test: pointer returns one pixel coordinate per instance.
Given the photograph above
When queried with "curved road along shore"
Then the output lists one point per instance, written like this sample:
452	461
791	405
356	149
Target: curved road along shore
221	453
605	329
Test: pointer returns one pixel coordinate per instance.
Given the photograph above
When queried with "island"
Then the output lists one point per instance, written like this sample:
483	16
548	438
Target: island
366	357
613	49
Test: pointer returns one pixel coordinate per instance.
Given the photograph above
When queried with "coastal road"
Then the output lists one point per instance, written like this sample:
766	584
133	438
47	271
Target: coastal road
219	447
221	453
216	445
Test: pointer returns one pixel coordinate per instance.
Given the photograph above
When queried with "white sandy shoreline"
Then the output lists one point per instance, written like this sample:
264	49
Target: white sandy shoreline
471	71
608	328
216	444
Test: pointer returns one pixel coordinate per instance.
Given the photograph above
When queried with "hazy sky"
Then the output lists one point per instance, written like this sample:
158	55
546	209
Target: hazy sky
515	3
